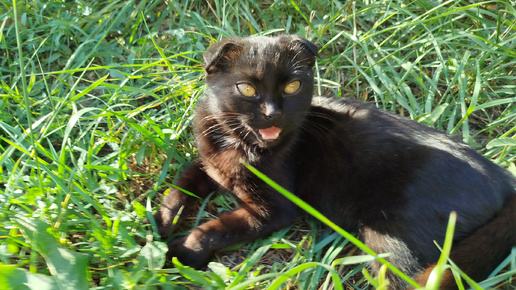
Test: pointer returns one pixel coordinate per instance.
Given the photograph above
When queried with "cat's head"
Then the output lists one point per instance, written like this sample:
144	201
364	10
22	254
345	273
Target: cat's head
259	88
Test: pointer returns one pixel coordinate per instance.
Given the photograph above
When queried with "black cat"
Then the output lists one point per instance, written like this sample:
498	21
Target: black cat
390	179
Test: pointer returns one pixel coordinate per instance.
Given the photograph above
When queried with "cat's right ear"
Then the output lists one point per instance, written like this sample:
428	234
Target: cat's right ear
220	55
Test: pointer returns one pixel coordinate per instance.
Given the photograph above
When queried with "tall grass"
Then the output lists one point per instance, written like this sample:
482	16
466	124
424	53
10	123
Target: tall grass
97	99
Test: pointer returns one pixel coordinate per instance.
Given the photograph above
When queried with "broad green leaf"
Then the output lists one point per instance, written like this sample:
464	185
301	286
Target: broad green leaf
68	268
12	277
430	119
154	254
501	142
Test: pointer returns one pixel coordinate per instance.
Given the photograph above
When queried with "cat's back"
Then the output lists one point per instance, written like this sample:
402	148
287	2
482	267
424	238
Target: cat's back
374	133
362	118
380	166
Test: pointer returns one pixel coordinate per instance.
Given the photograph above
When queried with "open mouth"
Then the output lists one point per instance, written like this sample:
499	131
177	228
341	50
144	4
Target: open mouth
270	134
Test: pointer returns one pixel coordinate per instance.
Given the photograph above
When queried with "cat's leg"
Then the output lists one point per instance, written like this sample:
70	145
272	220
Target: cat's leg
400	256
250	221
193	180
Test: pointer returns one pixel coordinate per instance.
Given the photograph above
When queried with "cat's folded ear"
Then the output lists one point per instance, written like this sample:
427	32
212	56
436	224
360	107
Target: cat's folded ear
309	46
219	55
304	49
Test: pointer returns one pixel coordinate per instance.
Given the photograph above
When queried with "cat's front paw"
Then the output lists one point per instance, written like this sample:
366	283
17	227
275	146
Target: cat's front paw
164	218
189	251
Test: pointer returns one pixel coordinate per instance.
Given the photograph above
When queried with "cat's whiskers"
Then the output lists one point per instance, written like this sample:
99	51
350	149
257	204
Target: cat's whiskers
230	131
218	117
228	120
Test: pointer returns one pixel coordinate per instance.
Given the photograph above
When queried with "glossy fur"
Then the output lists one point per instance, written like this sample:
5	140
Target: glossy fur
390	179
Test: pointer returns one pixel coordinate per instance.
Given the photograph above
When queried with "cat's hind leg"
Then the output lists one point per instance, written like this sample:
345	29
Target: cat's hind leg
481	252
400	256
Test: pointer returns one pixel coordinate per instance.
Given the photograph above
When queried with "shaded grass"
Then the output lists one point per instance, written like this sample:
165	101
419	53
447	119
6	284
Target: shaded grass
96	102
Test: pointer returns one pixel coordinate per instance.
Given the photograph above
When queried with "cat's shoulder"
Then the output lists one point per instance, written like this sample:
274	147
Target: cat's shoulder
349	108
341	104
360	118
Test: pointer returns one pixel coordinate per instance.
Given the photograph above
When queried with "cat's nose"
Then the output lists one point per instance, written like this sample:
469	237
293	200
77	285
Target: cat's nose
271	110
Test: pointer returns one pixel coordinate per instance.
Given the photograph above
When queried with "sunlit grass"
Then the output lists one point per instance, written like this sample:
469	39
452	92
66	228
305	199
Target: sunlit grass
96	106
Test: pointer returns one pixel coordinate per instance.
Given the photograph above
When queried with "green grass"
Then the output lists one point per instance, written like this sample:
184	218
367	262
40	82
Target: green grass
97	99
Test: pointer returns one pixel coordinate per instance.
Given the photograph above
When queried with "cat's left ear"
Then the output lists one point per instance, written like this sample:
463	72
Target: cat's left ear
312	48
305	49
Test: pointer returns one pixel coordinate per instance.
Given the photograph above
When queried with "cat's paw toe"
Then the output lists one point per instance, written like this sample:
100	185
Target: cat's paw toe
189	251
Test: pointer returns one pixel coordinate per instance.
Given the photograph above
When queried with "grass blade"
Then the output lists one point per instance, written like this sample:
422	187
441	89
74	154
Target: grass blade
296	200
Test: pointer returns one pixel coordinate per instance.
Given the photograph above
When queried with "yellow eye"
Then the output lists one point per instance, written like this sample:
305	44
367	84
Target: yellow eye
292	87
246	89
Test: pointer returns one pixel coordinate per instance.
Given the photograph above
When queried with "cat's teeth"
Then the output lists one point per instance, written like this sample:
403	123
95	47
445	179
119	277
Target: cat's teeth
270	134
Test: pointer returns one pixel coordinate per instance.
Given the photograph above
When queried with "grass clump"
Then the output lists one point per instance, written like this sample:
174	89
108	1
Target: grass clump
97	98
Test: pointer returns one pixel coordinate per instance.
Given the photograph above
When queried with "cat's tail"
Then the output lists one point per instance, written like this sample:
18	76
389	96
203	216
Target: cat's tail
479	254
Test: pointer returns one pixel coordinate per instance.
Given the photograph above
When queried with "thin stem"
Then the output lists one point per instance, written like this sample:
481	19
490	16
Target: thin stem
34	153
